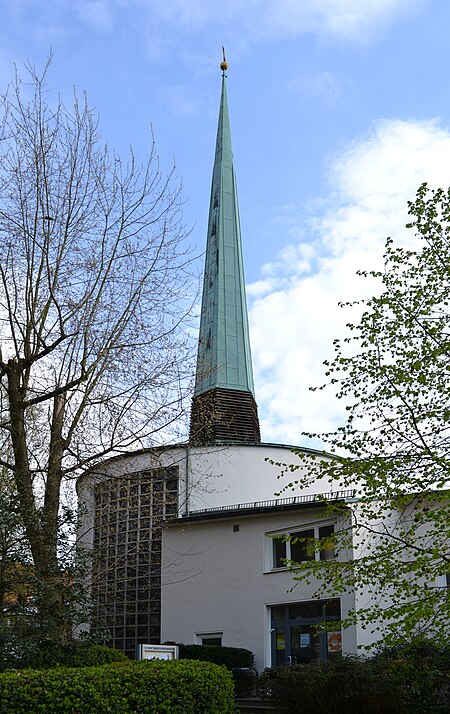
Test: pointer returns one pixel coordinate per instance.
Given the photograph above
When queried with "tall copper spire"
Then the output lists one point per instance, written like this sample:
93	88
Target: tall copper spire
224	407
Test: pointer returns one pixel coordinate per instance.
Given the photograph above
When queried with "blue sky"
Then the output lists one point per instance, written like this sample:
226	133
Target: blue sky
339	110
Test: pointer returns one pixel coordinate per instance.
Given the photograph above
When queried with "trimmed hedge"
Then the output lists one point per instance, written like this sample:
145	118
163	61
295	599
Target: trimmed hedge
341	686
87	655
229	657
156	687
359	686
63	654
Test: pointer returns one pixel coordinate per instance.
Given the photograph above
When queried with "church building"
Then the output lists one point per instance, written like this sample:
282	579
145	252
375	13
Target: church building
184	536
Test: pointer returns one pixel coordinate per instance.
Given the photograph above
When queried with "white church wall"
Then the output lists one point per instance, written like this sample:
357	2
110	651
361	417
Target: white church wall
209	477
365	537
216	579
389	525
223	476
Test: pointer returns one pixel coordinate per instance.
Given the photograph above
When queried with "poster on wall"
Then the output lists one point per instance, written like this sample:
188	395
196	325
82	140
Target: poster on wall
305	639
334	641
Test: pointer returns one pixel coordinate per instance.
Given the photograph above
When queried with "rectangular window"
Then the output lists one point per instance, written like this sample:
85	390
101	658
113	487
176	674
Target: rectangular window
300	543
210	638
279	553
297	545
327	551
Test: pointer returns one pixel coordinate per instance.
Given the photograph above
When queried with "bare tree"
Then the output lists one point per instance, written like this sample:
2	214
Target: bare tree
94	289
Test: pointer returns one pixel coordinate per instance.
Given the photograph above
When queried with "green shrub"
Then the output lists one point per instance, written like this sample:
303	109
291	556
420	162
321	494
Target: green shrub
228	656
421	651
48	654
176	687
424	687
86	655
359	686
344	685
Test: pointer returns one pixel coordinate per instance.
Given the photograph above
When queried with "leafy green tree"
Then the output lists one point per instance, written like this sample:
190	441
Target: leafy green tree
393	373
94	288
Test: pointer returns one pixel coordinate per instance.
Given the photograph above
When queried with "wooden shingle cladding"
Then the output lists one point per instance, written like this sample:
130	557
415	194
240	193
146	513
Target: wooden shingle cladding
222	416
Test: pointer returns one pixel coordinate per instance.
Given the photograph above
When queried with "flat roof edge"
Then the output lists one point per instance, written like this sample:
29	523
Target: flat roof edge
272	506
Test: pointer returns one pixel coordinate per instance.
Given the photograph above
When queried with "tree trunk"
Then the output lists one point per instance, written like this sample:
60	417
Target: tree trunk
41	525
22	473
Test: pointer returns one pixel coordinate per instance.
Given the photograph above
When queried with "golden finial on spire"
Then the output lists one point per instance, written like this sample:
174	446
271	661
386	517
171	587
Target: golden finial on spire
224	64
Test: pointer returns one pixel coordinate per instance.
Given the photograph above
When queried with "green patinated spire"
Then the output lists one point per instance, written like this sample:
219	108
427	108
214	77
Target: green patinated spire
224	407
224	357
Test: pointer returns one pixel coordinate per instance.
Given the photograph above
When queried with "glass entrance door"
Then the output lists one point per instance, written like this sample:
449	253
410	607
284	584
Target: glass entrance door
305	643
296	634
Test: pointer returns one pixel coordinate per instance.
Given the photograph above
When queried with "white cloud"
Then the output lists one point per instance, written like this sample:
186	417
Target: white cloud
295	314
192	29
189	28
354	19
342	18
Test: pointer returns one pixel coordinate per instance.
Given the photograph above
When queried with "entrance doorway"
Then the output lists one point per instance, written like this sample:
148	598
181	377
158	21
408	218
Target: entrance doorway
296	634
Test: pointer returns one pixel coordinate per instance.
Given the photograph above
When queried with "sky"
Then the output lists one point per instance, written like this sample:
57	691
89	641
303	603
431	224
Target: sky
339	110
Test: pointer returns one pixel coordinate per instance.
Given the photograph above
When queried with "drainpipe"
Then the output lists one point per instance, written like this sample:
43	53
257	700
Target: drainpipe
186	482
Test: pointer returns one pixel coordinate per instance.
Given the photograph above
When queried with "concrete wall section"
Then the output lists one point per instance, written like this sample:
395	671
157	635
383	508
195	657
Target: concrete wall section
209	477
223	476
217	579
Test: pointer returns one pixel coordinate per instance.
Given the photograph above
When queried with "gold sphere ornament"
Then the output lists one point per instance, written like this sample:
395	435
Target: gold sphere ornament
224	63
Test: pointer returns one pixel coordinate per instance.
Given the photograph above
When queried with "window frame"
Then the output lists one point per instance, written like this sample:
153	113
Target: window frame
273	538
200	636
